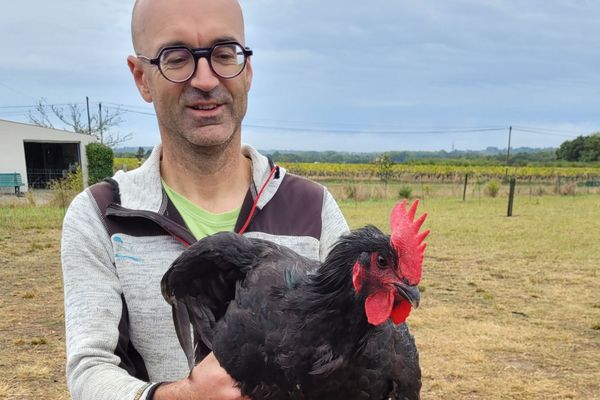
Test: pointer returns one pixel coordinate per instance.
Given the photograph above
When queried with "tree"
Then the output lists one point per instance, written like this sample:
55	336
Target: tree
583	148
570	150
73	117
385	167
591	148
140	153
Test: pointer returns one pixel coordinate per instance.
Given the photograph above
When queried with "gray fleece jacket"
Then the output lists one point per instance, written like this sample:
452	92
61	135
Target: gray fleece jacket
117	242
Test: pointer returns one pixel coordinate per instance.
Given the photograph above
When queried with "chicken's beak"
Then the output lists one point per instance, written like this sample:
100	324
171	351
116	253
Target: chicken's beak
410	293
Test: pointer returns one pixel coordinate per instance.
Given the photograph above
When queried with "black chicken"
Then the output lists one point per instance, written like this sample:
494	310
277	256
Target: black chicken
287	327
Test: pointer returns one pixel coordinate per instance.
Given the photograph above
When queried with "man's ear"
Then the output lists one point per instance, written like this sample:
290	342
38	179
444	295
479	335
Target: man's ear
137	70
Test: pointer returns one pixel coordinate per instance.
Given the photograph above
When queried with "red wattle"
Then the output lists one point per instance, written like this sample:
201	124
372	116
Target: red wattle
400	312
378	306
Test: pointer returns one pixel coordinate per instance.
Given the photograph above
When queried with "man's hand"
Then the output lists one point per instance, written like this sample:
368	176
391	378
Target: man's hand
207	381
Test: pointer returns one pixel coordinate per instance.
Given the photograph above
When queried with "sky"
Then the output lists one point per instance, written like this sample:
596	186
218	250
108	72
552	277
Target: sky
383	75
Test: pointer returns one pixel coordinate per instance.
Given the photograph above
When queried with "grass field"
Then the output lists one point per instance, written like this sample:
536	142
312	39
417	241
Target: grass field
510	306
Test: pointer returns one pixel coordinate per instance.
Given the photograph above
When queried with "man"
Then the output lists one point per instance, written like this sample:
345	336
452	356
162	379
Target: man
120	237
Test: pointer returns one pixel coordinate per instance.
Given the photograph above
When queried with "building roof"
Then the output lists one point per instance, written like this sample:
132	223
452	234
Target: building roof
39	133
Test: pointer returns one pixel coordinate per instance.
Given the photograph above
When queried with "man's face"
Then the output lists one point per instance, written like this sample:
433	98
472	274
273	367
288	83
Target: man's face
206	110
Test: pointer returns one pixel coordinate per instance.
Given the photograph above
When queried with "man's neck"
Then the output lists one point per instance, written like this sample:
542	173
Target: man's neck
216	180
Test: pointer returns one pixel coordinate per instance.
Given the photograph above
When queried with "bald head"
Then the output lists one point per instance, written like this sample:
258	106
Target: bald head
158	22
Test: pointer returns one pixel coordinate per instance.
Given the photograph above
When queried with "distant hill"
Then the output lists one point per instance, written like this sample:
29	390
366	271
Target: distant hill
492	151
131	149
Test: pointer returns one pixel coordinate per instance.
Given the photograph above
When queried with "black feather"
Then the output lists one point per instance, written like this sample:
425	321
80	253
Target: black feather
286	327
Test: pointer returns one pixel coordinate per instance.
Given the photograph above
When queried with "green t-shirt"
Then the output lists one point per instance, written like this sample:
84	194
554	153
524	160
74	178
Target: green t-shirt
199	221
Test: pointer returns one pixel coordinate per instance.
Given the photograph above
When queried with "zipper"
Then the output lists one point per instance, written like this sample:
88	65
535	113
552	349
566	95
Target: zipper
175	230
178	232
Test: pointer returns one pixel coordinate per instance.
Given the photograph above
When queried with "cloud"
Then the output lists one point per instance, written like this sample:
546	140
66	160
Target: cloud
65	35
384	63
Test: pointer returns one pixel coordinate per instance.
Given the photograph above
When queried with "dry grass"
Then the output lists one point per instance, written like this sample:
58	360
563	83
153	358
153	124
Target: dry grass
35	372
4	390
31	311
510	306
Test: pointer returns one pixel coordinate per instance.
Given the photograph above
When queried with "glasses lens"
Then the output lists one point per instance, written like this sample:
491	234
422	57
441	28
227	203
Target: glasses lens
228	60
177	65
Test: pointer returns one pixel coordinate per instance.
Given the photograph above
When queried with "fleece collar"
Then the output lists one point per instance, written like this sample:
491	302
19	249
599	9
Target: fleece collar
141	188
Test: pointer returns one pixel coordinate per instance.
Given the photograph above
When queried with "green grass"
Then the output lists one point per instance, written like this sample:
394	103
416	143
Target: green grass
24	217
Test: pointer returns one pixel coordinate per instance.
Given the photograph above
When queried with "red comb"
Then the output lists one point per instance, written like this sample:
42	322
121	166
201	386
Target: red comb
408	241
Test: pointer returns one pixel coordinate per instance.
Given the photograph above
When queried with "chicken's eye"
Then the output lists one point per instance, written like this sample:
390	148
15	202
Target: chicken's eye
381	262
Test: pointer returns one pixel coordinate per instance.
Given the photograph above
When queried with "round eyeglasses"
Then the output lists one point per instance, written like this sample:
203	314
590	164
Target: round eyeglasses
178	63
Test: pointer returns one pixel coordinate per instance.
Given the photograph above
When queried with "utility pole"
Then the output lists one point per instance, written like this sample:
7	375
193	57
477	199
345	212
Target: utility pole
87	101
511	196
100	123
508	150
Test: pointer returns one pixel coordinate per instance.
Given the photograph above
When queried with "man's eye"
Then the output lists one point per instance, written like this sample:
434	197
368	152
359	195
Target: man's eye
225	54
175	58
224	59
176	61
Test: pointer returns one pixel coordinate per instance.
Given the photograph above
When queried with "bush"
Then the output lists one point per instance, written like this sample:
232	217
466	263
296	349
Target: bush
492	188
64	190
405	192
100	162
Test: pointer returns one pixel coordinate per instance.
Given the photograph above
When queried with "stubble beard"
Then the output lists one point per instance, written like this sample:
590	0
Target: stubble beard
206	136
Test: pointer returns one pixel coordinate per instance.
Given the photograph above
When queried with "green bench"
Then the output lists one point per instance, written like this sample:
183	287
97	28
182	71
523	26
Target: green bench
12	179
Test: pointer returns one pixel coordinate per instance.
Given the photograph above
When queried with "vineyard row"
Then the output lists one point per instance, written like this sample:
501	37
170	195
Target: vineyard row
442	172
439	172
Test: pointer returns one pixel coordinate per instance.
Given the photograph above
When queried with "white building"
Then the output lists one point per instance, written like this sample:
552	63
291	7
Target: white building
40	154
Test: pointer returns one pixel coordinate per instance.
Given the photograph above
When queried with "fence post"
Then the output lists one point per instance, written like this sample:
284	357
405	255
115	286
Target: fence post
511	196
465	188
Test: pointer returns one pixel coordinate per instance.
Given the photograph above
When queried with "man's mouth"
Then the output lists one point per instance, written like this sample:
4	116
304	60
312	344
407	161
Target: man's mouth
206	111
205	107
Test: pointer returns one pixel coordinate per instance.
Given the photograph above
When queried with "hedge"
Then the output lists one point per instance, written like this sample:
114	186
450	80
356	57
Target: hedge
100	162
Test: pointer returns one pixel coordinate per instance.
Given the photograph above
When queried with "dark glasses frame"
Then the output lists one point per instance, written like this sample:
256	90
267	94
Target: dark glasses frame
197	54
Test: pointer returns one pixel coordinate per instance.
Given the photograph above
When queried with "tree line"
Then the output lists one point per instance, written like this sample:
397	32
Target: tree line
583	148
490	156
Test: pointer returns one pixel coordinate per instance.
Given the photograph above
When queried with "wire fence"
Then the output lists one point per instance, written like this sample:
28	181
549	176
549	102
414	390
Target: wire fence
40	178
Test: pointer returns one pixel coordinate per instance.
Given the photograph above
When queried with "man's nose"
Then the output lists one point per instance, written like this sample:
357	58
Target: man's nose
204	78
